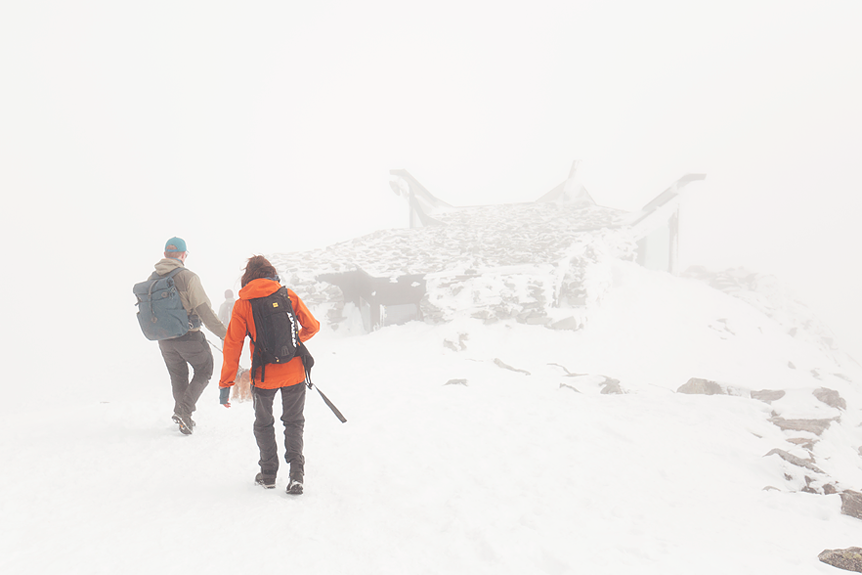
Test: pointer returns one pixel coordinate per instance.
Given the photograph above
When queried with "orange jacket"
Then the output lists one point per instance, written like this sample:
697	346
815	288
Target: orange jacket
242	322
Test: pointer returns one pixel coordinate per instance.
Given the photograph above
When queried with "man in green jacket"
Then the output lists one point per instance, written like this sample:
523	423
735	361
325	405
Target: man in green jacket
191	348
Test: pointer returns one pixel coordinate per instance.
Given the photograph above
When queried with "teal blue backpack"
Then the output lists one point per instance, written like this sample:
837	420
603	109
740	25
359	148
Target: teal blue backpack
160	310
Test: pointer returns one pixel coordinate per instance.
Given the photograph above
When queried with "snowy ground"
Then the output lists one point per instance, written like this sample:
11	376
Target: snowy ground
511	473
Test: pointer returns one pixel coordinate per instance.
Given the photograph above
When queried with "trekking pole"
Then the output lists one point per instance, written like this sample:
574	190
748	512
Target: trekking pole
328	403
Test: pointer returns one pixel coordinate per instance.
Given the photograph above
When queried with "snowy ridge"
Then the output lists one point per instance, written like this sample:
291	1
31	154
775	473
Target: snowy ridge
769	368
766	294
719	345
576	279
680	430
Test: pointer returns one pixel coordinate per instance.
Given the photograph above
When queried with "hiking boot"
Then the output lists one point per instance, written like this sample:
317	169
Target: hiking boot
186	424
266	481
295	487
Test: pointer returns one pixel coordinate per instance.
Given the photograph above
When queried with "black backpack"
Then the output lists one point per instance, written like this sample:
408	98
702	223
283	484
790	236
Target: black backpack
277	332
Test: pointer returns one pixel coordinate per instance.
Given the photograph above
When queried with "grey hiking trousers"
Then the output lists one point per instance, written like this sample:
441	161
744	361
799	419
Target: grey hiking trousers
178	353
292	406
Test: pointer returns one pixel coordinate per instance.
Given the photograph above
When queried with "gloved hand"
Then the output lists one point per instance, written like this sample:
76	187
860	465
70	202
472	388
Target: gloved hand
224	396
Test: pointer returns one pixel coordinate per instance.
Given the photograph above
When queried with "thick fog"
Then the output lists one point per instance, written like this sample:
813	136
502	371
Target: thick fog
272	127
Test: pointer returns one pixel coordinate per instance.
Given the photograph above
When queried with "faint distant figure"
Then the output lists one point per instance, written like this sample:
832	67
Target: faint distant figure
226	309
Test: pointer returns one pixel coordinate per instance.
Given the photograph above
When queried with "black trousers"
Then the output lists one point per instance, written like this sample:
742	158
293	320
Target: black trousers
178	353
293	418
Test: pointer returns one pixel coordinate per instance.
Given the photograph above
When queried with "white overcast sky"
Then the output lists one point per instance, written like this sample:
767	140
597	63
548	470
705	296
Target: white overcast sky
258	127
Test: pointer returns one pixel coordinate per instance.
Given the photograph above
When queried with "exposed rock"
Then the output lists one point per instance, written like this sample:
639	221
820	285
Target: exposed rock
696	385
803	442
849	559
532	318
815	426
798	461
499	363
456	382
851	503
767	395
568	373
572	387
817	487
459	345
830	397
611	386
569	323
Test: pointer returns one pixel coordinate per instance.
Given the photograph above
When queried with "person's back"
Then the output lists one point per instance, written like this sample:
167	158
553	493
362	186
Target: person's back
259	281
226	309
192	348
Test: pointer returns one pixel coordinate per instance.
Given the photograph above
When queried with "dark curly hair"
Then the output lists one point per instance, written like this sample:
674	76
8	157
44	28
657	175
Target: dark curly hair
256	268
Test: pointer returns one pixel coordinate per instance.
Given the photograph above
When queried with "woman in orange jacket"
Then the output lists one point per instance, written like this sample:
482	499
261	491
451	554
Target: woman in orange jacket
260	280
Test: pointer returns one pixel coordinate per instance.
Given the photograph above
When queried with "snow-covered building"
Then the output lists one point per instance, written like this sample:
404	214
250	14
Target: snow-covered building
527	261
655	226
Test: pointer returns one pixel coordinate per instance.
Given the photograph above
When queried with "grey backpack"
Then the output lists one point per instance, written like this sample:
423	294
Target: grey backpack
160	310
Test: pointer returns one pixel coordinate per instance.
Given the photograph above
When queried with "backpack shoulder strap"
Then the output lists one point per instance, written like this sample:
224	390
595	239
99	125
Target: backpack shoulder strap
256	360
170	274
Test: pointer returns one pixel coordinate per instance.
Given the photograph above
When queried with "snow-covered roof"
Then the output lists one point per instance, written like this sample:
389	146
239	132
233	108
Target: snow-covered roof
476	237
543	246
540	244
